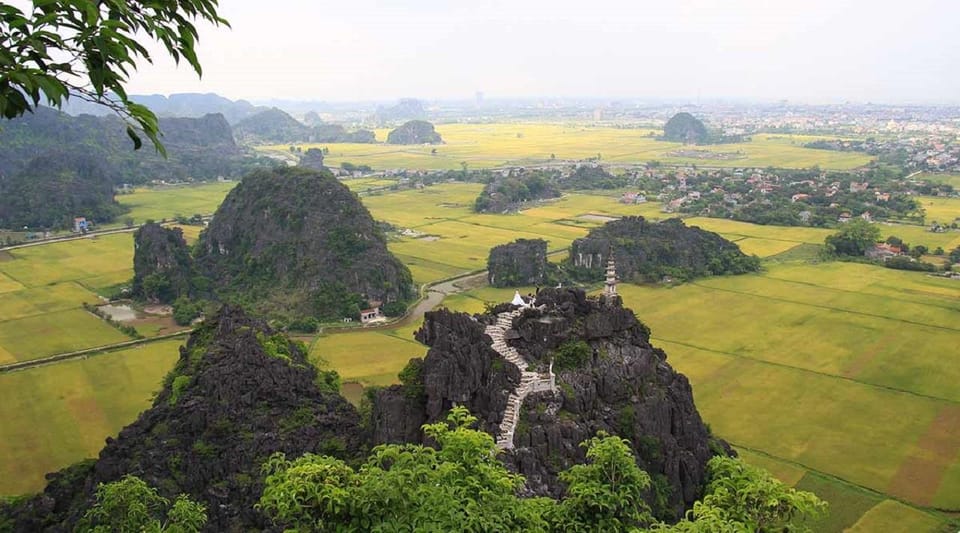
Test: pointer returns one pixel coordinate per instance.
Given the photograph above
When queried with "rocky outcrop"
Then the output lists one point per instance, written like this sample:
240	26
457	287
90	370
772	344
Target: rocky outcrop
239	393
684	127
312	159
519	263
414	132
621	384
296	242
650	251
162	266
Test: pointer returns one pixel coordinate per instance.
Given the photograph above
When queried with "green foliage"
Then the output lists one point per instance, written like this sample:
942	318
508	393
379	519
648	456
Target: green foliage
505	193
328	381
184	311
740	497
130	505
571	354
308	324
902	262
394	309
276	345
412	379
854	238
606	494
593	177
460	486
63	47
177	386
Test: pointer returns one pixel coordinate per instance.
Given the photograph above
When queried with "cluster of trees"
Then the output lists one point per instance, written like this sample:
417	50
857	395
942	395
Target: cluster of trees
508	192
593	177
460	485
856	237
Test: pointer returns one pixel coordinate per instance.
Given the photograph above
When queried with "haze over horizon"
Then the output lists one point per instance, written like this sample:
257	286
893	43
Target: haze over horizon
820	51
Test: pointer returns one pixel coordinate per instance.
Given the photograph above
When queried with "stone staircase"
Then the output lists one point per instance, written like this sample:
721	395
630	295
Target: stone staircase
529	381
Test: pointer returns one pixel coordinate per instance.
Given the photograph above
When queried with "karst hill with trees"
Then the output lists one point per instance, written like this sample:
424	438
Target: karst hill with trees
414	132
653	251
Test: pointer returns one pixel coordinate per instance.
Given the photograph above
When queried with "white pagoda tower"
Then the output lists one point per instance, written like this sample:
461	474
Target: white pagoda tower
610	285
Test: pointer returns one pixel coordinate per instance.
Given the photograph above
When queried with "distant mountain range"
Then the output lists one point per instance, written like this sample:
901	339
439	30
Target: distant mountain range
190	105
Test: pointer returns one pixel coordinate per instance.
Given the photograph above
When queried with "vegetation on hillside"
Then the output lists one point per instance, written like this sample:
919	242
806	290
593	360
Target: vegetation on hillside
295	242
414	132
55	188
684	127
646	251
276	126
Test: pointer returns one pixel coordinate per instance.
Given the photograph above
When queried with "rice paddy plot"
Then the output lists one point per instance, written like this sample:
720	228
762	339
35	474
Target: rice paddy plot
940	209
56	332
892	516
70	260
856	343
45	299
819	421
8	285
56	415
166	202
417	207
763	247
846	503
949	179
369	358
781	233
869	279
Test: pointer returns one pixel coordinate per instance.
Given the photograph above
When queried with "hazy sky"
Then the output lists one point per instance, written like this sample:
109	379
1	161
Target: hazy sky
811	50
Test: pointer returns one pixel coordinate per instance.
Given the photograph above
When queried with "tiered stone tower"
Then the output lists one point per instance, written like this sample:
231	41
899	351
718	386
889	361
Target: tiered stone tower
610	285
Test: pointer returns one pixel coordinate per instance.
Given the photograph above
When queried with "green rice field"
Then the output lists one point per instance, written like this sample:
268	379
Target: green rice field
58	414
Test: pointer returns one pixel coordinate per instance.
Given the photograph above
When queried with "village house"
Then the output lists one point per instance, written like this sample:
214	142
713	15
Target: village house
373	314
799	197
883	251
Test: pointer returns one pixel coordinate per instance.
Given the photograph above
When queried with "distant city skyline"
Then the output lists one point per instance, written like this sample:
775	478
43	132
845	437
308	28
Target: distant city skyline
819	51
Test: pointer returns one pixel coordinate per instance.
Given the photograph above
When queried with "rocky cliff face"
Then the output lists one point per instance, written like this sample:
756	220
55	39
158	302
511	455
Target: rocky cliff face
238	394
649	251
619	383
294	241
161	258
521	262
312	159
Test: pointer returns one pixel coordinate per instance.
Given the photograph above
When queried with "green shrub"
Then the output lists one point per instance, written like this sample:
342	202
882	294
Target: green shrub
572	354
